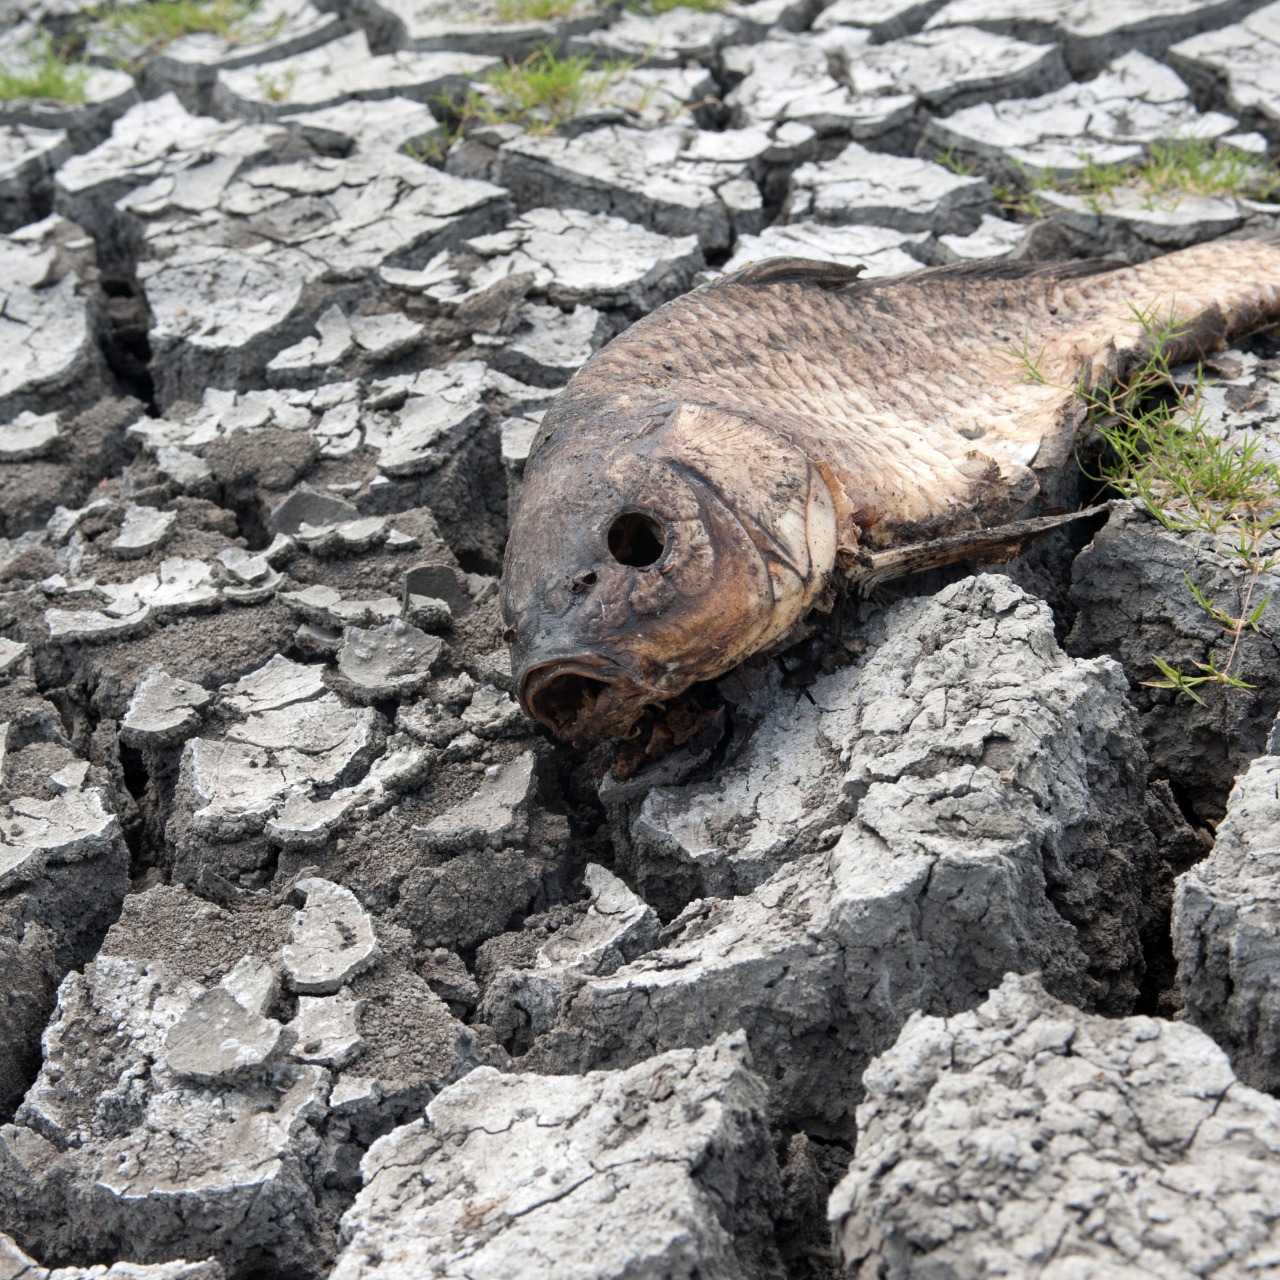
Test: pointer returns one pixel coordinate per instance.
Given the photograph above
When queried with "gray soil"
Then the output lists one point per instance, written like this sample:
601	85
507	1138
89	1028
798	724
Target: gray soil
318	959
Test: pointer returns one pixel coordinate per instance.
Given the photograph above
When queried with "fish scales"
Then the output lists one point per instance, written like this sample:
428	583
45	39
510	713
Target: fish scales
695	488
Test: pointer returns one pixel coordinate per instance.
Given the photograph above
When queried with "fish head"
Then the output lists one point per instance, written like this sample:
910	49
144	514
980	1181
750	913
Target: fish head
640	565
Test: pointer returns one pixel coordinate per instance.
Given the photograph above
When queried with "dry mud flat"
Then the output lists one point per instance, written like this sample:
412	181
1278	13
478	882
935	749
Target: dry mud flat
318	961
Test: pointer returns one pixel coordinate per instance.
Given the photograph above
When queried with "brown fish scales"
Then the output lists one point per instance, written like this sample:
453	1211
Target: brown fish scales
702	481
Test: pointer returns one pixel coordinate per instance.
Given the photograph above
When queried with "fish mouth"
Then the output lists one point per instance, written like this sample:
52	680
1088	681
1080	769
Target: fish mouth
583	699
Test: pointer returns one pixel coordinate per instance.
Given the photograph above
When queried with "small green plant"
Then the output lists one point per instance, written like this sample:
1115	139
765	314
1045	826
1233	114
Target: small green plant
431	148
1021	197
953	164
534	10
1189	166
1163	457
276	87
1171	169
47	72
539	93
1018	201
157	25
665	6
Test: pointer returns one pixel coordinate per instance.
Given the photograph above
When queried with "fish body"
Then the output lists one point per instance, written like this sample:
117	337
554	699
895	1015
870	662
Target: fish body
703	480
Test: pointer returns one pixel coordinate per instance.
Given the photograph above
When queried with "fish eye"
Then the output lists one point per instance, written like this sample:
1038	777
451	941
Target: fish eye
635	539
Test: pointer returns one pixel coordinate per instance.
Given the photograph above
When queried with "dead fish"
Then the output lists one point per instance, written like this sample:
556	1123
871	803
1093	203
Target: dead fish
704	480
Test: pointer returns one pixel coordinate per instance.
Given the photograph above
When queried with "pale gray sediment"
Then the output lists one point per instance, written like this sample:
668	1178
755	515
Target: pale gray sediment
319	961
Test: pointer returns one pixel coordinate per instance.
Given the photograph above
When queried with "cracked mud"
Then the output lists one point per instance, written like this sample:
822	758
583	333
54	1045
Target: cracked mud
947	948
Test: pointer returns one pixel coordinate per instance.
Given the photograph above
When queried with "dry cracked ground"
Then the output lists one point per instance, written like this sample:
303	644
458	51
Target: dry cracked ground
951	949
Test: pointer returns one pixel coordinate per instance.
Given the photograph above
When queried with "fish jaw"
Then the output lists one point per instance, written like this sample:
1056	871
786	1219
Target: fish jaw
585	698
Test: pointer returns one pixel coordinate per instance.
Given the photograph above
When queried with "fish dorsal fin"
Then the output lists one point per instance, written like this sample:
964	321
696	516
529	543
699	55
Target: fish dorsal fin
1003	269
834	275
822	275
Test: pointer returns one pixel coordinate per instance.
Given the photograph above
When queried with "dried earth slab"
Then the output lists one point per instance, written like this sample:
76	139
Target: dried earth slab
64	869
497	814
666	1168
546	347
612	927
219	1111
366	124
881	19
866	187
470	26
28	157
1092	32
879	251
994	238
791	80
1131	223
106	93
295	762
1238	63
163	710
49	317
567	257
1225	929
676	180
55	459
964	802
16	1265
159	140
642	96
943	70
392	446
1029	1138
189	65
272	250
353	344
341	70
671	39
1110	119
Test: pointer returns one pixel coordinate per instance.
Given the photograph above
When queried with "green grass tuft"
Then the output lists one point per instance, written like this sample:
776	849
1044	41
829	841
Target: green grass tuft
953	164
156	25
1171	169
1163	457
1184	166
701	6
539	93
276	86
49	74
534	10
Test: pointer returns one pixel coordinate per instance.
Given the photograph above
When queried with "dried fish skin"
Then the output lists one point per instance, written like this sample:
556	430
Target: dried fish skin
698	485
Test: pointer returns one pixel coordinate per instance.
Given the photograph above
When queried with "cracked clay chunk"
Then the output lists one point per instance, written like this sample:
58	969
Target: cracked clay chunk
615	928
665	1169
1026	1138
496	815
1226	929
986	791
219	1039
331	939
186	1166
865	187
16	1265
391	661
1092	32
163	709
